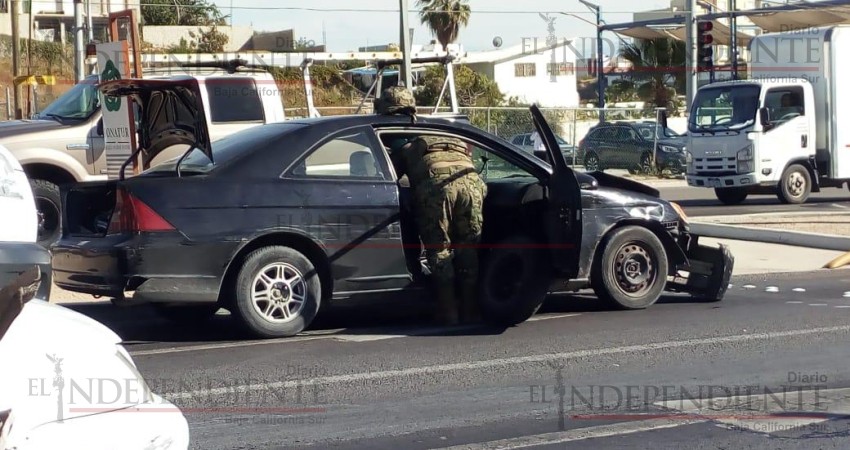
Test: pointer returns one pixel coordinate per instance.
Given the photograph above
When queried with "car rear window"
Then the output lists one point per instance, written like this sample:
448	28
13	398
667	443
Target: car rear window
229	148
234	99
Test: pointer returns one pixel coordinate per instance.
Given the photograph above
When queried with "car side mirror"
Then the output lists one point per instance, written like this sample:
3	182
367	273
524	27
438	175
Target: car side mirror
100	127
764	116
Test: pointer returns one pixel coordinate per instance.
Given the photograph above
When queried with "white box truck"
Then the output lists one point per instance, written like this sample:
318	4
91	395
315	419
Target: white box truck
785	130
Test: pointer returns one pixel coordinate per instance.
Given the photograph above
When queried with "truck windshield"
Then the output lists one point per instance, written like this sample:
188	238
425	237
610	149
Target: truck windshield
79	103
724	108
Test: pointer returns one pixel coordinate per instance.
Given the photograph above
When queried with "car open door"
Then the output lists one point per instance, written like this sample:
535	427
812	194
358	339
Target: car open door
564	216
172	113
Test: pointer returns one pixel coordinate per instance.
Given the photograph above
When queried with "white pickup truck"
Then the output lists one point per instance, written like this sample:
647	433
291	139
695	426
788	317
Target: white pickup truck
65	142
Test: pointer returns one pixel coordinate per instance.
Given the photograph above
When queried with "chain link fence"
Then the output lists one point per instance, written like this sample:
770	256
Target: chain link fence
627	139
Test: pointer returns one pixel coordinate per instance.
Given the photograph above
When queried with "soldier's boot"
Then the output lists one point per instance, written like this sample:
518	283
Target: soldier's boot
447	311
468	296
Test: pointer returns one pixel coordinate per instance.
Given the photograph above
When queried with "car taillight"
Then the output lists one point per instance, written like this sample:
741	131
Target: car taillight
132	215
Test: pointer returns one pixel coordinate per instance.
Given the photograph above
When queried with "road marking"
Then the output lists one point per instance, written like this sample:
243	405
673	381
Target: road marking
579	434
501	362
795	303
771	289
817	304
847	294
842	306
551	316
799	290
223	345
749	286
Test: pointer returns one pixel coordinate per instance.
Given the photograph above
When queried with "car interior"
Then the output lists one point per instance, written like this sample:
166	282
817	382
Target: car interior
515	201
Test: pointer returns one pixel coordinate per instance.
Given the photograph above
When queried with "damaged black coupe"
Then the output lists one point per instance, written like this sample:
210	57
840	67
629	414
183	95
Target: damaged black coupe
273	222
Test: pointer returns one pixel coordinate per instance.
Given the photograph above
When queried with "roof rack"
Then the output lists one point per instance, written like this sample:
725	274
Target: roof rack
446	60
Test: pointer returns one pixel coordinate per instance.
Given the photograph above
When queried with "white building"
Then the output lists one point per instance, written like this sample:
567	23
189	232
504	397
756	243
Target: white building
54	20
532	72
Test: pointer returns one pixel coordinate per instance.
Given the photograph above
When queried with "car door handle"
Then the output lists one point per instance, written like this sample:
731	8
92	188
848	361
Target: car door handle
77	146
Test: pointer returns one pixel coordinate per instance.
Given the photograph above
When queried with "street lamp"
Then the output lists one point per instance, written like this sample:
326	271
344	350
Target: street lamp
600	76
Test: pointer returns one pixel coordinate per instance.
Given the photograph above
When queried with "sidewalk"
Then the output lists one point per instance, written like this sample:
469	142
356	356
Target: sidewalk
762	258
826	223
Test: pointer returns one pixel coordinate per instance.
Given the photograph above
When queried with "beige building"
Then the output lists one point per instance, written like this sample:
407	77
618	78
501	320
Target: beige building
54	20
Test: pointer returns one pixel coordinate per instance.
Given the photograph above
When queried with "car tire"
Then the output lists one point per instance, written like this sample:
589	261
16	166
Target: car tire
591	162
795	185
513	281
731	196
48	202
646	164
631	272
274	279
186	313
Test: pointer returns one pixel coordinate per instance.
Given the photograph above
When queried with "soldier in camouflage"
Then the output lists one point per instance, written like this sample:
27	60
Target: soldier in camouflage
449	197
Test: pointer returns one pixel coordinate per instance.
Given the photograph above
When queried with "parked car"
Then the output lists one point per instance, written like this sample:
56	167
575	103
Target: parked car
52	358
524	142
65	143
629	145
274	222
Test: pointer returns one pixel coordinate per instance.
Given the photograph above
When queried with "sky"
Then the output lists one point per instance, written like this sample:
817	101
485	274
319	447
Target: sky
349	24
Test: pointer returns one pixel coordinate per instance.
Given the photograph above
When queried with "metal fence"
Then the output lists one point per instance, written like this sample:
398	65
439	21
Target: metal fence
628	139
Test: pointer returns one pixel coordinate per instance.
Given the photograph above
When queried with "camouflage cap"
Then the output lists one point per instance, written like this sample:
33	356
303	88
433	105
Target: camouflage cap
396	100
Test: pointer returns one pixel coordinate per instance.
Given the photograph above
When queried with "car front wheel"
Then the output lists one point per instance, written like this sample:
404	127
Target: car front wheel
591	162
47	203
278	292
513	282
631	272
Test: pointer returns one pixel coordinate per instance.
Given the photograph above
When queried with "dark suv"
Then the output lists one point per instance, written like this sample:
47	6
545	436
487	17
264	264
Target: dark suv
629	145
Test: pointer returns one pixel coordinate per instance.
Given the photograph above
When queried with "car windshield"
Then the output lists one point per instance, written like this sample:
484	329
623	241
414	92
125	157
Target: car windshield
77	104
226	149
724	108
651	132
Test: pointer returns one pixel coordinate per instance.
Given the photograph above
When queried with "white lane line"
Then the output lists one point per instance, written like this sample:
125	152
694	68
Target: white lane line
771	289
502	362
194	348
799	290
847	294
579	434
749	286
842	306
817	304
551	316
794	303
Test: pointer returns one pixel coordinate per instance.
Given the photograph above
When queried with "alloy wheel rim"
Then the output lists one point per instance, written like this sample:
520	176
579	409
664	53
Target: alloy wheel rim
279	292
796	184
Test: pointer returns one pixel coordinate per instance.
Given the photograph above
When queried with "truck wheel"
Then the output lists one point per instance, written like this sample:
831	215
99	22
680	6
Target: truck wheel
48	203
795	185
278	292
731	196
631	273
513	282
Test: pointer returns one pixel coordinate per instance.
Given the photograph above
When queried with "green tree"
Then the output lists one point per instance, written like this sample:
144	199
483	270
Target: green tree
181	12
655	63
472	88
445	18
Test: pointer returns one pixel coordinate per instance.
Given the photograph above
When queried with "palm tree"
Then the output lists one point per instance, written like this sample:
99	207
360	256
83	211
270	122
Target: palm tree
654	63
445	18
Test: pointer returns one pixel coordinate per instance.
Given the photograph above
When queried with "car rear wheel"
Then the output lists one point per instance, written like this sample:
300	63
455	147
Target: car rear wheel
278	292
730	196
513	282
646	163
591	162
632	271
48	204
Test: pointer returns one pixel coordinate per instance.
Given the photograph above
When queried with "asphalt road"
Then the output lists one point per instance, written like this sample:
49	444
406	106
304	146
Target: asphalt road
702	202
374	376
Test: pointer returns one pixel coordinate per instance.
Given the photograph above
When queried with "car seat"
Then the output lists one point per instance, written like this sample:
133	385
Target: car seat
362	164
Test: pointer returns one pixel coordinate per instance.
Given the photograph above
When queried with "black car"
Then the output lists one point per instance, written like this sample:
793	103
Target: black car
275	221
629	145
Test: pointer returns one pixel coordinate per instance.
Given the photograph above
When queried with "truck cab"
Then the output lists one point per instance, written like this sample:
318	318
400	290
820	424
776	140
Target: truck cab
64	143
753	137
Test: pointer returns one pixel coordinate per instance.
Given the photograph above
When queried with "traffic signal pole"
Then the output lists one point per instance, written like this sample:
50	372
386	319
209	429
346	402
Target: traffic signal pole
690	52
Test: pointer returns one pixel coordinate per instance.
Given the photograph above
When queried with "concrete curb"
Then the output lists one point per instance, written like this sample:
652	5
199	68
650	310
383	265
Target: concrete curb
755	234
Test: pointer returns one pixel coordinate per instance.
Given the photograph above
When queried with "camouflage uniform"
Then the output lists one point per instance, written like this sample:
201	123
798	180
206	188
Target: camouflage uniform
449	197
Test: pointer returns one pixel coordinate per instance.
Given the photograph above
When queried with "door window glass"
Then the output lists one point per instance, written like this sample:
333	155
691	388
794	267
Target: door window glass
349	156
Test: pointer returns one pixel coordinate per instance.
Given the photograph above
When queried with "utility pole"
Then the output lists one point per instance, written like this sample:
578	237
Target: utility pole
691	52
600	70
733	42
16	56
406	72
79	42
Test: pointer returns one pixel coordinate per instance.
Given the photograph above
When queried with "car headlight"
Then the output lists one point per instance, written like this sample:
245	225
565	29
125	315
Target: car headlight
669	149
654	212
746	153
689	158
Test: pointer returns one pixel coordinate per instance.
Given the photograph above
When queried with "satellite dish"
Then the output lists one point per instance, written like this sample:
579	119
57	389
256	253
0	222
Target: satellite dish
497	41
